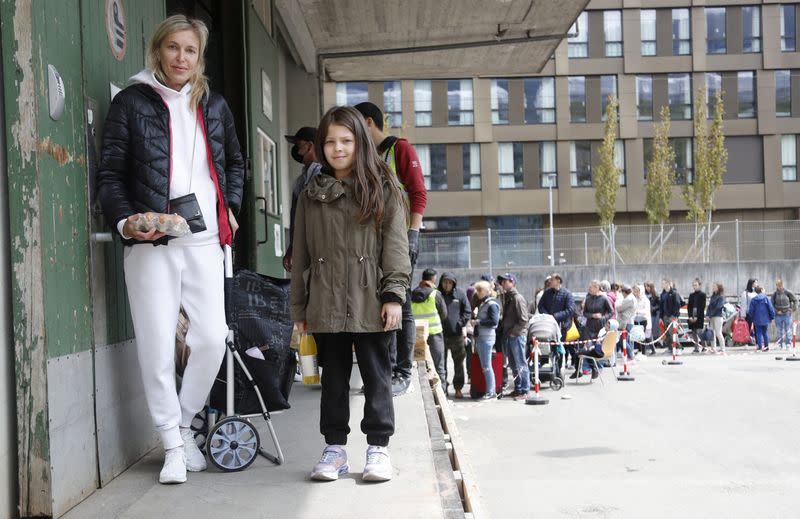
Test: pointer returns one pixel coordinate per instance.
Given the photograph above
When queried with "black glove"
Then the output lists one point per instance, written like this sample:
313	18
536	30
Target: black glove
413	246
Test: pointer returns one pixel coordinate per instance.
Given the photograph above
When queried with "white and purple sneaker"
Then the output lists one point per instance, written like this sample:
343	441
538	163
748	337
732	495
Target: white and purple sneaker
331	465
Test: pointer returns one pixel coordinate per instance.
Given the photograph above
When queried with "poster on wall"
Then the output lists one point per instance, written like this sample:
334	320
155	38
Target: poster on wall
266	180
277	234
266	95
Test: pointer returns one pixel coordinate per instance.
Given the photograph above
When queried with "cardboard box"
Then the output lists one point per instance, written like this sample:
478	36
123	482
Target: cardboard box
421	343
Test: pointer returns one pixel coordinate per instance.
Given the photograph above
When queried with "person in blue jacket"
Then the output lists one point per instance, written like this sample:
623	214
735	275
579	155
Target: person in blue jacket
762	312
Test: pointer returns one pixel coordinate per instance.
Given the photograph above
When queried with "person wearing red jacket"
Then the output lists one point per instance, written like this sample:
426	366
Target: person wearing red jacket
399	154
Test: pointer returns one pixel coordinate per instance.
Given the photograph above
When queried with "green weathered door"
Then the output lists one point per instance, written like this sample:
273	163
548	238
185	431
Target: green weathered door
263	193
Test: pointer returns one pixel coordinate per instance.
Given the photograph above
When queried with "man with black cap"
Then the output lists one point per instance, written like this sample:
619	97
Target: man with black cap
302	152
401	158
515	331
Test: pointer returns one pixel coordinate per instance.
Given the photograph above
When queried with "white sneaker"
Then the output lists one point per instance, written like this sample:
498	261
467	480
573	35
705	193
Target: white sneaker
174	470
195	461
379	465
331	465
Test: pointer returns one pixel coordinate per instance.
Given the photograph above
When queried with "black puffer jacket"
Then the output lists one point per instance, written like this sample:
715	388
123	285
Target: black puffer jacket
134	172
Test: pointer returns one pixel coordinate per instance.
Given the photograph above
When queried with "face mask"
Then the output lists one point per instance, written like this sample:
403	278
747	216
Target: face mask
296	154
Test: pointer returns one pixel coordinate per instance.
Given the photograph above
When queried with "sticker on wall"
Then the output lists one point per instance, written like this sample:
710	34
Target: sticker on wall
266	95
277	235
116	28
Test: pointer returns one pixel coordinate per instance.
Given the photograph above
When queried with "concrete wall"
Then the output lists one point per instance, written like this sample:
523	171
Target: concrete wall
577	278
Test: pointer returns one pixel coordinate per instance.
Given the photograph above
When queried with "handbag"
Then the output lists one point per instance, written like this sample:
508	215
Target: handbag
188	207
572	334
707	335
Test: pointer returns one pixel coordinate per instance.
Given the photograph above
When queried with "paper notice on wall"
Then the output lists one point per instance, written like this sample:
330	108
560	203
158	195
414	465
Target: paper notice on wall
276	239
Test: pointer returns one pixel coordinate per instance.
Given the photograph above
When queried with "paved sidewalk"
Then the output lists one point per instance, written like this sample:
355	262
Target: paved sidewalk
267	491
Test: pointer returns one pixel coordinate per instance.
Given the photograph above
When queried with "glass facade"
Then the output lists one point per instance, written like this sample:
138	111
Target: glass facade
580	163
471	160
713	86
392	103
789	158
751	29
788	28
499	93
783	93
644	98
647	26
680	96
681	32
423	103
577	99
459	102
510	165
540	100
578	45
608	87
351	93
612	29
747	95
433	161
548	174
716	40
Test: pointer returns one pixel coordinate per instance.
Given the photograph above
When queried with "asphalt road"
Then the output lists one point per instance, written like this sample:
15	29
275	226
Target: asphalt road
715	437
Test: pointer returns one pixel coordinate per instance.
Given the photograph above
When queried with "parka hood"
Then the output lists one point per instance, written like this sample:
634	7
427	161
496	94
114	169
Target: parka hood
420	294
451	277
147	77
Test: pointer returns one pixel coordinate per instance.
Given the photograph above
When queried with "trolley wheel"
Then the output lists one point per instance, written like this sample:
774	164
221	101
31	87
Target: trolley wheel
556	383
199	427
233	444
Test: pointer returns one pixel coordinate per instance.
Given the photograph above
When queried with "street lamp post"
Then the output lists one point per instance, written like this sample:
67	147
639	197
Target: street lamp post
552	232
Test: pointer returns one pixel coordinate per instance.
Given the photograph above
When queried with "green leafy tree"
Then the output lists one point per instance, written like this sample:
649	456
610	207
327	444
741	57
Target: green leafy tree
691	191
606	175
711	159
717	157
660	173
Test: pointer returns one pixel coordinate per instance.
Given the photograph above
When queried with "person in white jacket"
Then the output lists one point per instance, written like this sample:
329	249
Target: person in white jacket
626	308
643	314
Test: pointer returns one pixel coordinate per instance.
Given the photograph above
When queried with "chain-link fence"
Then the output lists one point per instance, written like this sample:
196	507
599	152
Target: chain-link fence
735	241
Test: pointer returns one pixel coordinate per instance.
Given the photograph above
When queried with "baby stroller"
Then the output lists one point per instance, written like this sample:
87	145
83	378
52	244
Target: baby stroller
545	329
233	443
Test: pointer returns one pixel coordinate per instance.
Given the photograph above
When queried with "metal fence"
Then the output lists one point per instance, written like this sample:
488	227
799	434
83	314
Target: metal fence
735	241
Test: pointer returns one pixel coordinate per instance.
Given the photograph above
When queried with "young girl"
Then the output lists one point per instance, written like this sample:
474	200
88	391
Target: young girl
350	272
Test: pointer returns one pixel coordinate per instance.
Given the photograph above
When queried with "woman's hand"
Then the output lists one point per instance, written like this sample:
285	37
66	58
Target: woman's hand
391	313
302	326
129	230
234	224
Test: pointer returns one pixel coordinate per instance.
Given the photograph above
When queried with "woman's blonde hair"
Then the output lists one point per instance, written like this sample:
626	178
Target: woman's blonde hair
176	23
483	288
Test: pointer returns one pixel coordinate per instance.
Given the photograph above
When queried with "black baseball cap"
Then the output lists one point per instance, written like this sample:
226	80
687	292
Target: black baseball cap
509	276
306	133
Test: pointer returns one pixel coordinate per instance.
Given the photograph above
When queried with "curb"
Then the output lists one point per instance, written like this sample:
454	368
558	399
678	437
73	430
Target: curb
458	468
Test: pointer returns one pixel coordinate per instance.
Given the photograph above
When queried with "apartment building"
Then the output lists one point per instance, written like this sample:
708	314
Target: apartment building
492	147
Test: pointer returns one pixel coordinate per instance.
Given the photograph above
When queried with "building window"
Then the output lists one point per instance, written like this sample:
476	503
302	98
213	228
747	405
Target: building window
499	101
783	93
608	87
350	94
619	160
612	27
580	164
644	98
788	28
509	165
471	159
683	157
433	161
459	102
681	32
747	95
577	99
548	174
715	30
392	105
751	29
647	23
540	100
423	104
680	96
713	86
578	45
789	157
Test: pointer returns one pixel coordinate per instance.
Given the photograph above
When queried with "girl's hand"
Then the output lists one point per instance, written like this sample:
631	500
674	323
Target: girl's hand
233	222
391	313
302	326
129	229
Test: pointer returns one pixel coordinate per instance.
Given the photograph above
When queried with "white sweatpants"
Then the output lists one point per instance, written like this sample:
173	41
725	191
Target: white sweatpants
159	280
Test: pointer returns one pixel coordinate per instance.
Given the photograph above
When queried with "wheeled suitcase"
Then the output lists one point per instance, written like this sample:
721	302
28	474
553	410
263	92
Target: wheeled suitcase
477	386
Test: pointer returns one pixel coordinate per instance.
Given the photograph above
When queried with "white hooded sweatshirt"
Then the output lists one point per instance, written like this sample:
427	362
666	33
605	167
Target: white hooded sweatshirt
190	173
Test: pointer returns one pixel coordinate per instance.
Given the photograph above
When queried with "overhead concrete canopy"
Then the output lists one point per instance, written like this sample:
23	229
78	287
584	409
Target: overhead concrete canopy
408	39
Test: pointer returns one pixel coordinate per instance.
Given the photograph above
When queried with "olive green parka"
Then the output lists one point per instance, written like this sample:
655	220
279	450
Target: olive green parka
343	271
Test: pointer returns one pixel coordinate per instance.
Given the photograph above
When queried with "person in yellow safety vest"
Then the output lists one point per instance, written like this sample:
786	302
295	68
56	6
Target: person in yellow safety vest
427	303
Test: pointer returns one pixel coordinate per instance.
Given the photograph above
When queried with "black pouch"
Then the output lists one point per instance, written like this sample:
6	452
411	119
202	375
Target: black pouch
188	207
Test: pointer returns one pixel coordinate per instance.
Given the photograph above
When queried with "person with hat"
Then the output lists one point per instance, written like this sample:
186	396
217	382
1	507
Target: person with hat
515	331
402	160
303	152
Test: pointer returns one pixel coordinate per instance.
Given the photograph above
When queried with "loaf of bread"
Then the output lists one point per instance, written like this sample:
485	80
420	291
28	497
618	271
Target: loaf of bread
170	224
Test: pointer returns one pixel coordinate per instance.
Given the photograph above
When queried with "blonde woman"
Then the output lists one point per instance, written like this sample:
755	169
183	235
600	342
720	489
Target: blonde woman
167	137
488	317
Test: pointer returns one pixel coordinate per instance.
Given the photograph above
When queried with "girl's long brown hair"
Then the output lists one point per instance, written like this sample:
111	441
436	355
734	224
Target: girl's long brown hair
369	171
